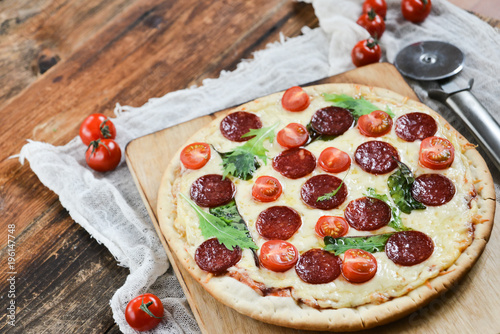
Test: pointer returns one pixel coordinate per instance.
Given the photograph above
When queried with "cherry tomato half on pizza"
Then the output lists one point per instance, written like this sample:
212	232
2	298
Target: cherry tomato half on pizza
278	255
373	23
358	266
366	52
416	11
331	226
144	312
103	155
378	6
195	155
436	153
333	160
375	124
96	126
292	135
295	99
266	189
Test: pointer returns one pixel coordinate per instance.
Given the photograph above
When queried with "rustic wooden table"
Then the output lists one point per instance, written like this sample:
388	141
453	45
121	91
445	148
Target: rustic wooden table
63	60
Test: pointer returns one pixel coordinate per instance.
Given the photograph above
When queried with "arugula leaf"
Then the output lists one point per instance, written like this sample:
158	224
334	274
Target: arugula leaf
313	135
242	162
330	195
399	184
358	107
372	244
213	226
396	222
229	213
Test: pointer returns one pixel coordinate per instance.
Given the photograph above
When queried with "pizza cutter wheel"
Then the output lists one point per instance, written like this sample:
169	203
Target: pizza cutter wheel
435	60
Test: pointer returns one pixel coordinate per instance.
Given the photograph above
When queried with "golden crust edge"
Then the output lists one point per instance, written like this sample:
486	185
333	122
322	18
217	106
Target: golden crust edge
345	319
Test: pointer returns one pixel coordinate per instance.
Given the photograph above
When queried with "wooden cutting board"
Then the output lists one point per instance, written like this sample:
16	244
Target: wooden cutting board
147	158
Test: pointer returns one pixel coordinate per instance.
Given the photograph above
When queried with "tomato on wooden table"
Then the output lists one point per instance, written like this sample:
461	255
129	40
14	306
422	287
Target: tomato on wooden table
436	153
195	155
278	255
96	126
375	124
366	52
378	6
295	99
103	155
358	266
292	135
333	160
332	226
373	23
144	312
266	189
416	11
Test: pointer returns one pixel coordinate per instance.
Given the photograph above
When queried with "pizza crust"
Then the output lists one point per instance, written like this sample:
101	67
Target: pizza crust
285	311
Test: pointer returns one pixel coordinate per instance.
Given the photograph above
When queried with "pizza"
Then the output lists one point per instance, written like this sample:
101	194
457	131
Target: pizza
333	207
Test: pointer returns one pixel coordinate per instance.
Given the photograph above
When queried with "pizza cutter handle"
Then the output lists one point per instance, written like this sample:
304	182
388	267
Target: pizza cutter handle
479	121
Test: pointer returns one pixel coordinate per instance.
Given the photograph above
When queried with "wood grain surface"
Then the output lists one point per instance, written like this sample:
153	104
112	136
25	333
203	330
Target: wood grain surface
61	60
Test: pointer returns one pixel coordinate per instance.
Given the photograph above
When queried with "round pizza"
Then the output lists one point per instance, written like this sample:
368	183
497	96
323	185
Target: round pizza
332	207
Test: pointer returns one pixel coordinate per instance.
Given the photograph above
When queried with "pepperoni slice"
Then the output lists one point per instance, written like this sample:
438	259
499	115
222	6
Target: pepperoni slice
294	163
212	190
409	248
433	189
278	223
415	125
320	185
317	266
376	157
236	124
332	121
367	214
215	258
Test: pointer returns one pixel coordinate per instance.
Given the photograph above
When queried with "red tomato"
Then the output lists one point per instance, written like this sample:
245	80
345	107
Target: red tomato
373	23
366	52
195	155
266	189
103	155
416	10
295	99
332	226
96	126
333	160
278	255
375	124
379	6
292	135
144	312
358	266
436	153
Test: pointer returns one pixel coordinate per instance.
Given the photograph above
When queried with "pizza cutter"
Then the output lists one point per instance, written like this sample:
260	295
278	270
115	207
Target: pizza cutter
436	61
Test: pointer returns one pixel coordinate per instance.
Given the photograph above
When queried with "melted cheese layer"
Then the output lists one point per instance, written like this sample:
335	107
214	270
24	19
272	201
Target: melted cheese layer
448	225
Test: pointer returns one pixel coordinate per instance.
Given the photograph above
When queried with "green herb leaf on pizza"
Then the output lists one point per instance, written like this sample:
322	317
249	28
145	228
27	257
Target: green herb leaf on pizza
396	222
399	184
357	106
372	244
226	233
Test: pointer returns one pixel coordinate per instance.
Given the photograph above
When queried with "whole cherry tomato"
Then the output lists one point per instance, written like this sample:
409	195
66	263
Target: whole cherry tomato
436	153
103	155
292	135
373	23
295	99
96	126
366	52
266	189
195	155
332	226
333	160
144	312
416	10
375	124
358	266
278	255
379	6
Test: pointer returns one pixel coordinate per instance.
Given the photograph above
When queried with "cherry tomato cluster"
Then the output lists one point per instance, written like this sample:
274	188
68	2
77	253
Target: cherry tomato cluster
373	20
98	133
